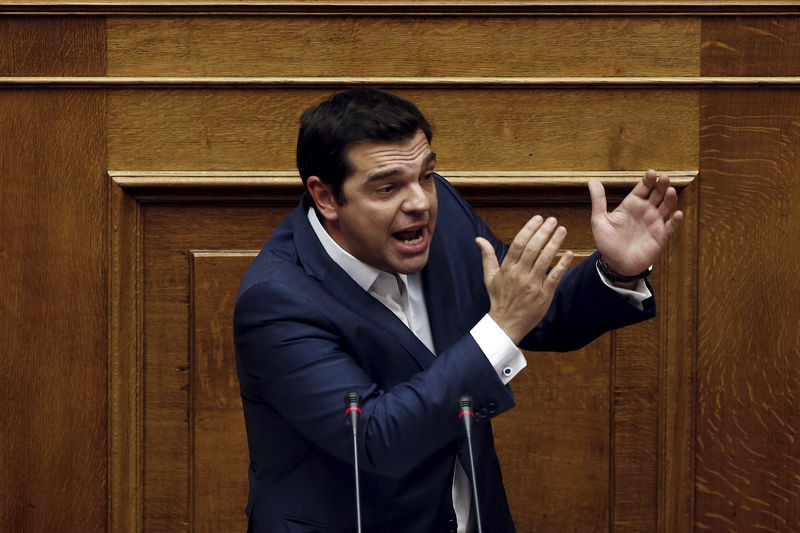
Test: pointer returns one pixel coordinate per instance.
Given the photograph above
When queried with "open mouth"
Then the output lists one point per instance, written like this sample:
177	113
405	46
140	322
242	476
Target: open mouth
409	237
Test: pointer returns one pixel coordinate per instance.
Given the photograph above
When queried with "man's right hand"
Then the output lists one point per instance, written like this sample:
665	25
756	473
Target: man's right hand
521	290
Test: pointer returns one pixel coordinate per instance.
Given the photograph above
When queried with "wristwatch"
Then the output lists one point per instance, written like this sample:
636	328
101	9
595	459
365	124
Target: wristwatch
616	276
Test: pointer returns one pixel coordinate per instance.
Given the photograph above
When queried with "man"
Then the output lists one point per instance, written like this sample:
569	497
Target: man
384	282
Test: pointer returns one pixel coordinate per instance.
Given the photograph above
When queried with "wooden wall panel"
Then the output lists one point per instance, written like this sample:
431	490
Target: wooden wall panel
748	457
748	369
52	272
57	46
171	232
751	46
555	445
403	46
519	129
53	367
218	449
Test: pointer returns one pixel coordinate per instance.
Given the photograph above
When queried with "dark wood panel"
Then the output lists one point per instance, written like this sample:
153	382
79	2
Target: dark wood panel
751	46
52	46
171	232
476	129
555	447
748	366
638	360
53	311
403	46
218	485
677	293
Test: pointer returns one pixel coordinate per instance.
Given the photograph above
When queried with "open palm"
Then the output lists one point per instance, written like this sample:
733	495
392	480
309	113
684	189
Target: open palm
631	237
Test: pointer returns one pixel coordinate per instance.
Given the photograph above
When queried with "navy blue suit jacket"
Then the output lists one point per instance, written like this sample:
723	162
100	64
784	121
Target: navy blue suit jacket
306	334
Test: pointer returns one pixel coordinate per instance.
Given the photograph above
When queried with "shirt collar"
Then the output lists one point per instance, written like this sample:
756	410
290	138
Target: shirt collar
363	274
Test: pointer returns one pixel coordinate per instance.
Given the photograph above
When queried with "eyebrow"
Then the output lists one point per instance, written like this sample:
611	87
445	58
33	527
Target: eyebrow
392	171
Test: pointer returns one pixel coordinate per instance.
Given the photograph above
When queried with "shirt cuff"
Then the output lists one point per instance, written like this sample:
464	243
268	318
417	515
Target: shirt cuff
499	349
634	296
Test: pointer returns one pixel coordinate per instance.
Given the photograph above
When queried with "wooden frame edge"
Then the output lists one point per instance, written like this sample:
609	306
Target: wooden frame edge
389	82
677	378
266	179
125	488
425	7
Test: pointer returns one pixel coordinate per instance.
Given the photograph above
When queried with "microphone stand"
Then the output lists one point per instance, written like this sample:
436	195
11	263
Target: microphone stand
465	403
352	401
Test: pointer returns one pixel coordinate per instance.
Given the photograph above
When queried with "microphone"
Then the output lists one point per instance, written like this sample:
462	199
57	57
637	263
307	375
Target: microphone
352	403
466	414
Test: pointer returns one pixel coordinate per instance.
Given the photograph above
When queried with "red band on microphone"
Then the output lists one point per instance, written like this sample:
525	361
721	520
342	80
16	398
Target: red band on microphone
352	409
462	413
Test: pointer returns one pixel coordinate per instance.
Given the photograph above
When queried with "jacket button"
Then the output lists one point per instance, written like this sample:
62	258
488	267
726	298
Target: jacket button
484	411
452	526
492	408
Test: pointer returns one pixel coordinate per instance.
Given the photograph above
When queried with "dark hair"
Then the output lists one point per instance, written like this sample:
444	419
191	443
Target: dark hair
328	129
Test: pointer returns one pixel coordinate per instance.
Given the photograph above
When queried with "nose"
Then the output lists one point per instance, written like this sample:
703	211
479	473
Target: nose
418	199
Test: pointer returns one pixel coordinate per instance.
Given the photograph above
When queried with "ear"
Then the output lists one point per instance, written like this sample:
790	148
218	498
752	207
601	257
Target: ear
323	198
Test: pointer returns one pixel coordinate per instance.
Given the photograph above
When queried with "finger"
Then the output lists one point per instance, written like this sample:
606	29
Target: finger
537	243
598	196
669	204
520	242
674	223
557	272
643	188
489	259
549	252
660	189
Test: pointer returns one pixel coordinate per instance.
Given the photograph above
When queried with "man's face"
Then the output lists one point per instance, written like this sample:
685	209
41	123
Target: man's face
390	205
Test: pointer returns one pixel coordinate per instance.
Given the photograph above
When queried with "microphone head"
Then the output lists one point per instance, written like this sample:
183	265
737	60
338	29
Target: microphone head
465	402
352	399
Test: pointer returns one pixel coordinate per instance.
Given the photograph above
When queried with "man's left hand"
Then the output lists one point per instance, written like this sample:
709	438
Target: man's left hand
631	237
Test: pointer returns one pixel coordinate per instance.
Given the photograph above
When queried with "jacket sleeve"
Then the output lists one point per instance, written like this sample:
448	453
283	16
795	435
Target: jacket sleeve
583	307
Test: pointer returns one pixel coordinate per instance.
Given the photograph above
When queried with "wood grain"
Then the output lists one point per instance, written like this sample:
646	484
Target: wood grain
748	365
219	460
519	129
403	46
428	7
53	311
52	273
751	46
52	46
403	82
677	383
748	359
171	232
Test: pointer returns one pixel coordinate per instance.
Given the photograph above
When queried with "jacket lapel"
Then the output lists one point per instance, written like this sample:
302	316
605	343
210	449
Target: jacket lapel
440	296
341	286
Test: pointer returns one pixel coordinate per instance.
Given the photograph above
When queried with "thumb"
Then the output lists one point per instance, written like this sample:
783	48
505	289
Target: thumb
490	264
598	195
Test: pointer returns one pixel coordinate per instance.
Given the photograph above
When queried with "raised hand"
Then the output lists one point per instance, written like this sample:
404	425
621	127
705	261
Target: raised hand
522	289
633	235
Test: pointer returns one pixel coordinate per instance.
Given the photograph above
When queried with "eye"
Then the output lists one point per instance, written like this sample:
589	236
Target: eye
427	178
385	189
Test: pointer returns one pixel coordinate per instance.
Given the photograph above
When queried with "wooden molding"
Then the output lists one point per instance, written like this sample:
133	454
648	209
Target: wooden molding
125	396
249	179
421	7
692	82
478	188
